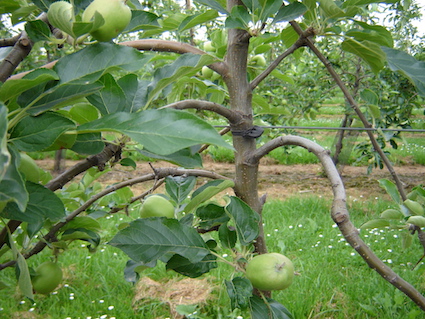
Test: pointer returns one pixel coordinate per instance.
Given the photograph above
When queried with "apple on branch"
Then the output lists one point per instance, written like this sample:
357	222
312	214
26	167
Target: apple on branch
271	271
115	13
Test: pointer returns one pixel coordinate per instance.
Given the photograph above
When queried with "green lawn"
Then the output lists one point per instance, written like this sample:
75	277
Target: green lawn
333	280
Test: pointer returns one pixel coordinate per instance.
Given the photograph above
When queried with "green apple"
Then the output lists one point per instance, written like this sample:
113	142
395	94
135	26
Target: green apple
259	60
117	16
48	277
29	168
157	206
270	271
208	46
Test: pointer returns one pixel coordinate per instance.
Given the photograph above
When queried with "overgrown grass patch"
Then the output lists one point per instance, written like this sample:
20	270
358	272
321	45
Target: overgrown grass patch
333	280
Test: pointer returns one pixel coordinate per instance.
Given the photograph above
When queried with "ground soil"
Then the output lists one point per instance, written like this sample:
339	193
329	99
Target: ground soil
282	181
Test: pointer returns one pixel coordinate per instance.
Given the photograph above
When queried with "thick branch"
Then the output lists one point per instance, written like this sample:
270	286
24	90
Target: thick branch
231	115
340	213
158	174
9	41
152	45
19	52
355	107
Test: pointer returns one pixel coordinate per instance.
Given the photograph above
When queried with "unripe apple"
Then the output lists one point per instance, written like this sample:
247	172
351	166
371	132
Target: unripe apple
157	206
259	60
48	277
117	16
208	46
270	271
29	168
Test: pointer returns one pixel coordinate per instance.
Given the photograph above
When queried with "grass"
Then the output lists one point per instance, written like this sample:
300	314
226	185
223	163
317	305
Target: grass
334	282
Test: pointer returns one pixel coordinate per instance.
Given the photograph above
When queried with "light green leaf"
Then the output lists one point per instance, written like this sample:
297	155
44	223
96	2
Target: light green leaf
162	131
142	20
12	186
268	308
37	30
374	33
409	66
369	96
392	214
187	64
370	52
417	220
213	5
391	189
197	19
375	223
290	12
206	192
12	88
331	9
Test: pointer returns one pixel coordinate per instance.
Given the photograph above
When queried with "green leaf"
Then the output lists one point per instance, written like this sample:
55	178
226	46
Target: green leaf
370	52
142	20
375	223
290	12
331	9
24	278
135	91
162	131
374	33
12	88
417	220
392	214
409	66
83	222
128	162
206	192
213	5
227	236
245	218
239	290
159	238
35	133
270	8
88	143
211	215
197	19
37	30
187	268
132	269
406	240
42	204
111	98
391	189
12	186
82	234
186	64
271	310
187	157
83	112
179	187
90	63
369	96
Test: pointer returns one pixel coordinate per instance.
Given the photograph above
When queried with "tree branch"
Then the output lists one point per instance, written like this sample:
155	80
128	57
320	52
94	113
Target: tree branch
158	174
9	41
355	107
232	116
58	182
298	44
340	214
19	52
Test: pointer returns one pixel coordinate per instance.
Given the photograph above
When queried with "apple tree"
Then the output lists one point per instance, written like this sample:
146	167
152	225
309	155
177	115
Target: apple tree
150	88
